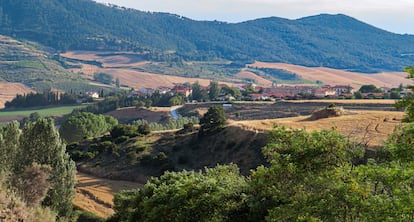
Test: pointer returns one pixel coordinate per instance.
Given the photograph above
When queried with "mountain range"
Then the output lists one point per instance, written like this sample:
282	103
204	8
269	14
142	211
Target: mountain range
335	41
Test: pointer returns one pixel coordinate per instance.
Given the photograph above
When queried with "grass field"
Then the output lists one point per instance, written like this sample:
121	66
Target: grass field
51	111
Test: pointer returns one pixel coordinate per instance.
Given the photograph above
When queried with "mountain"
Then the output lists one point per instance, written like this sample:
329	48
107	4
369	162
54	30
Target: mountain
335	41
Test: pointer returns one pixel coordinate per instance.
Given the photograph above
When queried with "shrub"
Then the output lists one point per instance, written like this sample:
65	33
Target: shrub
144	129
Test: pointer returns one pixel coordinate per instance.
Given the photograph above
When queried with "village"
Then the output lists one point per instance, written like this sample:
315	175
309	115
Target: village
253	92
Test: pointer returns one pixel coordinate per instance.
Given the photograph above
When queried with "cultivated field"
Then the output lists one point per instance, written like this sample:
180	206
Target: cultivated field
259	80
339	77
369	127
121	65
9	90
95	194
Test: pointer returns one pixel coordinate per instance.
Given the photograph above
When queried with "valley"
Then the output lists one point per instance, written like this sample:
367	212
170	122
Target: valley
269	119
369	122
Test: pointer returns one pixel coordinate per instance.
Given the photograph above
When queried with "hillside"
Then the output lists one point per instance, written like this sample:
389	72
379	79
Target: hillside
29	64
339	77
335	41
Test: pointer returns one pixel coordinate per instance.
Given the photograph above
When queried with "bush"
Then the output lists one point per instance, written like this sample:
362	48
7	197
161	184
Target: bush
144	129
121	139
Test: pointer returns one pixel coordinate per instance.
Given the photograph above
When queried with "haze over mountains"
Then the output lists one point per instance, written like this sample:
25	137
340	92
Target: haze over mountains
335	41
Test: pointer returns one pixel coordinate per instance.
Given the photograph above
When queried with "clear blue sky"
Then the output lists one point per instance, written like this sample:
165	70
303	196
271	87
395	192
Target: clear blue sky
392	15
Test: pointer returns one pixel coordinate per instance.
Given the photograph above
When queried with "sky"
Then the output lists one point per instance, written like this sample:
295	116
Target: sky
392	15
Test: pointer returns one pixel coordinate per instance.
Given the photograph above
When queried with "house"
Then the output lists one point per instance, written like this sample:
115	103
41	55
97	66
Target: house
324	92
94	95
147	91
163	90
258	96
181	89
343	89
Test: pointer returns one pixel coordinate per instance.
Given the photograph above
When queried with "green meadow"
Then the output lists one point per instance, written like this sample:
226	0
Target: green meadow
50	111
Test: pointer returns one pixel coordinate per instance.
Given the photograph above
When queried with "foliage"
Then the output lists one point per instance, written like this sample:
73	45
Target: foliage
304	173
214	90
185	196
213	120
198	94
144	129
310	176
40	143
33	184
124	130
176	100
369	89
14	208
41	99
172	123
408	101
84	124
103	78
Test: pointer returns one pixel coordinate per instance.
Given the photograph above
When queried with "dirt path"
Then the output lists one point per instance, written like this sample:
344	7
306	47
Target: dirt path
95	195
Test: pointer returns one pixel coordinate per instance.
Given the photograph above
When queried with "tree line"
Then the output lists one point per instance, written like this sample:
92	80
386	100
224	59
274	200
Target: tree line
41	99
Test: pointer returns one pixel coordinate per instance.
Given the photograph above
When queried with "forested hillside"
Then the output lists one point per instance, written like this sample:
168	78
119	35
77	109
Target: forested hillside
336	41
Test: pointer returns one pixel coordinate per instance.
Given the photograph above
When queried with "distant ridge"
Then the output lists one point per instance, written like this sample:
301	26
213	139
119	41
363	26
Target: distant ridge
335	41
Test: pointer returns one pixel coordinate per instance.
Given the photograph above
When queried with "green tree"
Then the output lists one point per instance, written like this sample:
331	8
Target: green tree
305	176
85	124
9	145
215	195
176	100
358	95
214	90
213	120
117	83
407	102
196	91
40	143
369	89
103	77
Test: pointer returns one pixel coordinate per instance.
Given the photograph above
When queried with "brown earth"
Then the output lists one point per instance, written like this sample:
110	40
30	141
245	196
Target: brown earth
340	77
95	194
9	90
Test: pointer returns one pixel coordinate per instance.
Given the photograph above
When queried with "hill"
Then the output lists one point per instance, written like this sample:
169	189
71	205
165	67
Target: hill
339	77
335	41
30	64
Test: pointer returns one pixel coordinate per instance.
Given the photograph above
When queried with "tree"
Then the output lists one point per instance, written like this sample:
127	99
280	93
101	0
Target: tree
103	77
40	143
176	100
407	102
305	176
85	124
196	91
215	195
214	90
117	83
9	145
369	89
213	120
